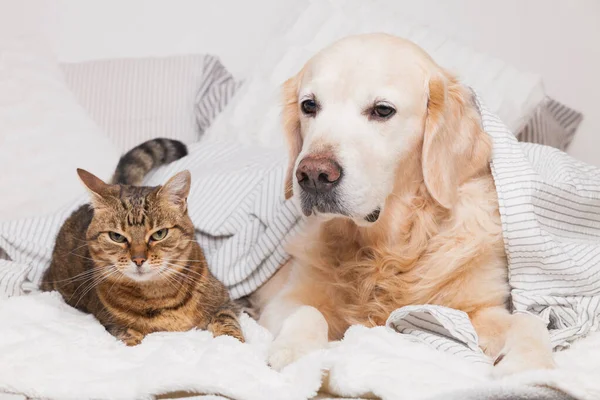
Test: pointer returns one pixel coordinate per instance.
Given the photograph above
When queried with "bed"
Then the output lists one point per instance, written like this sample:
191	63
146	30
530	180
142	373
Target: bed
196	99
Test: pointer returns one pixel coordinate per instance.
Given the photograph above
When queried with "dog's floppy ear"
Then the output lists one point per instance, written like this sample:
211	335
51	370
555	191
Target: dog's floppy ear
455	147
291	127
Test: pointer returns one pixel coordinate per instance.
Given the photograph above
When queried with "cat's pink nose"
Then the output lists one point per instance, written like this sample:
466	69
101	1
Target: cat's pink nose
138	260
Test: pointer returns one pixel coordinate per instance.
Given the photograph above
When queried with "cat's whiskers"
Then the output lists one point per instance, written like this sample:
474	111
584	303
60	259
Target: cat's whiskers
84	257
84	284
94	277
93	281
83	275
185	267
173	272
168	278
76	248
103	277
186	279
186	261
88	288
184	276
119	277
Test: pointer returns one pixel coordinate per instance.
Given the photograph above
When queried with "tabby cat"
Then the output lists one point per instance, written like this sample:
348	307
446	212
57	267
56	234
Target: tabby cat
130	258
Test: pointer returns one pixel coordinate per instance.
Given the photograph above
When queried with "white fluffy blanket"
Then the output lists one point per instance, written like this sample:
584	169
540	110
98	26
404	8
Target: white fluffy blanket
50	350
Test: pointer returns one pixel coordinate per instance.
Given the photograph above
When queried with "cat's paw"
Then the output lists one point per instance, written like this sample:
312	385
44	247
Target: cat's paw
239	336
129	336
233	332
132	340
226	323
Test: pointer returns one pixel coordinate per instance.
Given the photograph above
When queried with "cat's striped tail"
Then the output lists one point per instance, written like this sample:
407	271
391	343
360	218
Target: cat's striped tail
137	162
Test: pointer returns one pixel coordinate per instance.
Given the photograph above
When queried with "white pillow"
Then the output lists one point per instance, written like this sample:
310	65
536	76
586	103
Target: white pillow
253	114
44	134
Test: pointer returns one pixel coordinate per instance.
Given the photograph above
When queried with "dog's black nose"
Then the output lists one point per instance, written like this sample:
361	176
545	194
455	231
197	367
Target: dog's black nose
318	173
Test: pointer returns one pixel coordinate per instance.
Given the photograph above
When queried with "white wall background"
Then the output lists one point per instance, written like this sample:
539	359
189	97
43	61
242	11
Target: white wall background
559	39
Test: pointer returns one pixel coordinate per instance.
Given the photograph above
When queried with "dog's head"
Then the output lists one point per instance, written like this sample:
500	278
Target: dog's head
362	105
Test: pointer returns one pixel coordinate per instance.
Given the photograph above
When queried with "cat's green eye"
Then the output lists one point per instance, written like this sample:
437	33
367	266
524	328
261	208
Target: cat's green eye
159	235
117	237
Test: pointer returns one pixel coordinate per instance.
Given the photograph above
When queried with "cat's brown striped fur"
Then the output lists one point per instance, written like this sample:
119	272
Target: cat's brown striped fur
174	291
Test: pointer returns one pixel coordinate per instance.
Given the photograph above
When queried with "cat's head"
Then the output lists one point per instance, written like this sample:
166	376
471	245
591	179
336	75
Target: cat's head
139	233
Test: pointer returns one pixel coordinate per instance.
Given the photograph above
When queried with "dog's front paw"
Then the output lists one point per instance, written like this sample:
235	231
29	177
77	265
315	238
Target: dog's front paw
282	355
284	352
514	360
303	332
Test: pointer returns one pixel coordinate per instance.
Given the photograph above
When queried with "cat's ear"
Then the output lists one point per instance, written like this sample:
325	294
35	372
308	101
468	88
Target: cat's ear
96	186
177	189
92	182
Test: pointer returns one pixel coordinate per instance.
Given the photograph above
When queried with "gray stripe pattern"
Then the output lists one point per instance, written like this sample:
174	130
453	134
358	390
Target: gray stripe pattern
214	93
550	207
134	100
443	328
552	124
550	211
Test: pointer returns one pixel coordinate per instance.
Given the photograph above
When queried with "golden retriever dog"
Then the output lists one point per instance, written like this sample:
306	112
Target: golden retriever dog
391	166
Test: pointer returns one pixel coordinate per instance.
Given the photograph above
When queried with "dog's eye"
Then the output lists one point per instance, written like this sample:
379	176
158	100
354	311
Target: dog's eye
382	111
309	107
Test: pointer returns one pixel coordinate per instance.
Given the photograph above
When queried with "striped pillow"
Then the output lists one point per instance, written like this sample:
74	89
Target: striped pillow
137	99
551	124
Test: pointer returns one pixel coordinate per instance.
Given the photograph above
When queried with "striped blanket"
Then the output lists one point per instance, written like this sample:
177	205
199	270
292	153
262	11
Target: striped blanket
550	211
549	204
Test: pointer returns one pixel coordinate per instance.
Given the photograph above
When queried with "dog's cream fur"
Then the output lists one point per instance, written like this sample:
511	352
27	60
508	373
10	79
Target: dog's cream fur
438	239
